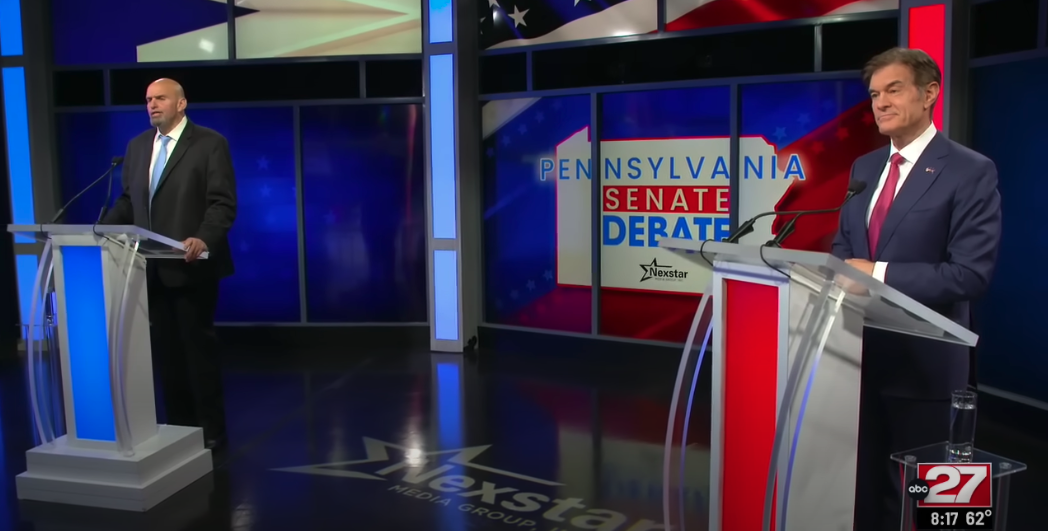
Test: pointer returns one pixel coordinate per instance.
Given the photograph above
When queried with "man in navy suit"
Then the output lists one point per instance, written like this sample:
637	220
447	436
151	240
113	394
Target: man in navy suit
928	224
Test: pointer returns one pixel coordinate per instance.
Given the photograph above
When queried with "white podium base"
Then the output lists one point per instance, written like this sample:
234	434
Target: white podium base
161	466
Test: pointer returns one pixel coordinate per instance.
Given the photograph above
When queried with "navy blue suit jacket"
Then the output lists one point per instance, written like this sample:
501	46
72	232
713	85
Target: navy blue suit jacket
940	241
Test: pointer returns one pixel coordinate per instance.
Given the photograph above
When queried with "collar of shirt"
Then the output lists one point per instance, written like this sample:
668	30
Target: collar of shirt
913	150
175	133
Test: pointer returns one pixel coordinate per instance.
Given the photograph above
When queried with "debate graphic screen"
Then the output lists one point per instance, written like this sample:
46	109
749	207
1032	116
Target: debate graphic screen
665	173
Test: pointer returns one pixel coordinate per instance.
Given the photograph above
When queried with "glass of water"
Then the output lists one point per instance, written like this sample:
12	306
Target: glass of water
962	426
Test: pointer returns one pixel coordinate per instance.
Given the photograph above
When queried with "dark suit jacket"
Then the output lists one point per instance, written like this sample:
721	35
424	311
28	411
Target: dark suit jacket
196	197
940	241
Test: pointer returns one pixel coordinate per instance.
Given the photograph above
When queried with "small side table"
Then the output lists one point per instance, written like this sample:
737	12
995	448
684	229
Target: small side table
1002	470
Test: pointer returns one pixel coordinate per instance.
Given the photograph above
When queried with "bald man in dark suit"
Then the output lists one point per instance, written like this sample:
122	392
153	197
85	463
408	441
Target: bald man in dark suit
179	182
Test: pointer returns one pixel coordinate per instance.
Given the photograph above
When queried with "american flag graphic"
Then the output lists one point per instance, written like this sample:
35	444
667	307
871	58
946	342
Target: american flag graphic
508	23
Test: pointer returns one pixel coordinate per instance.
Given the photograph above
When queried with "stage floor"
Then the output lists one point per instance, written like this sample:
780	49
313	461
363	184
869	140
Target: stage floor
419	441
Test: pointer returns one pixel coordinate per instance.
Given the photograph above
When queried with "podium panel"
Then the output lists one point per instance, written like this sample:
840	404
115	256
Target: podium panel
114	455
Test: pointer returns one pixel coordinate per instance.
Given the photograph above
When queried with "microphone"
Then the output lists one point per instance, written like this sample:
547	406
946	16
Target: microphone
854	188
109	173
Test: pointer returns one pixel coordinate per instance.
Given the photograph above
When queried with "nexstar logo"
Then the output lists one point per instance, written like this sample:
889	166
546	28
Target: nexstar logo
661	272
438	485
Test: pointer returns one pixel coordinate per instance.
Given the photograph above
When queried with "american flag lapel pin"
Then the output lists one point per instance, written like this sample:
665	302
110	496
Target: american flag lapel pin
929	170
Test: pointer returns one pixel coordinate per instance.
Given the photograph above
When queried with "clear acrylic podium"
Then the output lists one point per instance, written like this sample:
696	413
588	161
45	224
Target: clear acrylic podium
113	455
784	330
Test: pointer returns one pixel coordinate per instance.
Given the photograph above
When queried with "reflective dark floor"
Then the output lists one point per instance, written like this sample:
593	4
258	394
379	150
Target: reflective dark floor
418	441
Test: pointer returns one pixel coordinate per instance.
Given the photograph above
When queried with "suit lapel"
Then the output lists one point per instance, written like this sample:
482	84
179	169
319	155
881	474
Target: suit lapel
183	144
924	172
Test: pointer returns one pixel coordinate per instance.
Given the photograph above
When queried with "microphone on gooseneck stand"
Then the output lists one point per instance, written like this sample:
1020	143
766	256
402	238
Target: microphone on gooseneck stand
109	173
854	188
109	189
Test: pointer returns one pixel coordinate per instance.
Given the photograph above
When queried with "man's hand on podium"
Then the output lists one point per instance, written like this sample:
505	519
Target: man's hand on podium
851	286
193	247
865	266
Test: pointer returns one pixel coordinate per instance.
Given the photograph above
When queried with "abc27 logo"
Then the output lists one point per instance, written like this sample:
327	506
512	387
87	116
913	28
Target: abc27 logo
953	496
952	485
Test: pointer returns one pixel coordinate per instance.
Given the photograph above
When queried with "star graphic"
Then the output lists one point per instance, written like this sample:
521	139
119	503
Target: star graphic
378	452
803	119
523	129
540	117
548	275
505	140
867	118
265	191
780	133
531	285
263	163
842	133
817	147
518	16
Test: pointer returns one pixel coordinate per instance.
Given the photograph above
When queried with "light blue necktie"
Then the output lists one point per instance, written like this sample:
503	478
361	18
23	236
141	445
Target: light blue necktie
158	167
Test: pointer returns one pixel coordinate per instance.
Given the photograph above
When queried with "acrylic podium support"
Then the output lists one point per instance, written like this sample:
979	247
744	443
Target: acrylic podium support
784	330
113	455
1001	468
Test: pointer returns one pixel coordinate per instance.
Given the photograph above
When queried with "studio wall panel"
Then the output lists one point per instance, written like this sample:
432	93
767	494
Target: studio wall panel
296	28
1010	317
365	227
536	219
683	15
139	31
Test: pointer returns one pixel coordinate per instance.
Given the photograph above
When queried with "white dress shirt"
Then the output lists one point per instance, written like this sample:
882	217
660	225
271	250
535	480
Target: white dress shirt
910	153
174	134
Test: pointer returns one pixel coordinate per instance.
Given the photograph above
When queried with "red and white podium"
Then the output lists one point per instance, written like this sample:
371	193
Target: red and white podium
784	330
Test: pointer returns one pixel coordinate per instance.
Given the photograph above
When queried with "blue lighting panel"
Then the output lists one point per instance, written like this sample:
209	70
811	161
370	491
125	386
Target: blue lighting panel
10	27
19	170
25	271
445	295
440	23
442	144
87	342
449	405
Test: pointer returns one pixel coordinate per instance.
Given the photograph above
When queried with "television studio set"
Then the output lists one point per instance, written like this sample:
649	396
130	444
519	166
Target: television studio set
522	265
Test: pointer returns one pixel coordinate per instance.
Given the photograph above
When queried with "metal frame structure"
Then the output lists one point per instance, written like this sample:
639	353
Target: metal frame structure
33	167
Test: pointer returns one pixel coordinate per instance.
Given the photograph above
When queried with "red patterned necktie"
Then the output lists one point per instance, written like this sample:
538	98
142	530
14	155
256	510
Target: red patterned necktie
884	202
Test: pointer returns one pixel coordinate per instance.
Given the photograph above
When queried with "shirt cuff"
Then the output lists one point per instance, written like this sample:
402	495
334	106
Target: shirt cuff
879	268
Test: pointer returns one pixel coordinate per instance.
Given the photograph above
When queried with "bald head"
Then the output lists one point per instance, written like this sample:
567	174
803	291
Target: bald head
166	103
